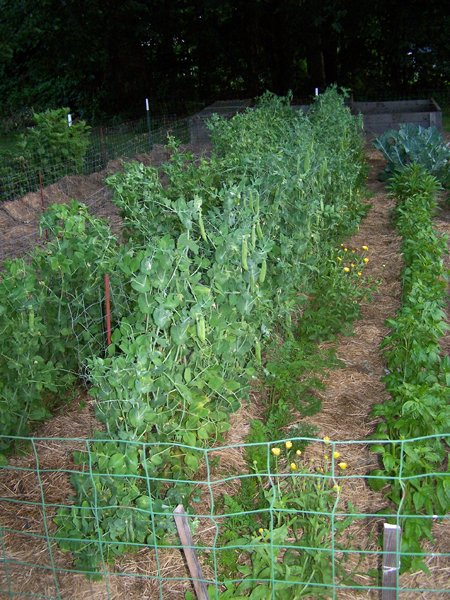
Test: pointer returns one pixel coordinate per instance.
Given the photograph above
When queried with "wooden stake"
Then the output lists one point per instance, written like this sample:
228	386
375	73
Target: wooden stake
41	189
195	570
391	561
103	149
107	311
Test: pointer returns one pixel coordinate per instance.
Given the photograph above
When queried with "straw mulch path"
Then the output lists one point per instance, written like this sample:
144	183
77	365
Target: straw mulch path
351	392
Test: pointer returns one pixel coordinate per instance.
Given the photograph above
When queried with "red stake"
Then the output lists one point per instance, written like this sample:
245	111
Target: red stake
107	311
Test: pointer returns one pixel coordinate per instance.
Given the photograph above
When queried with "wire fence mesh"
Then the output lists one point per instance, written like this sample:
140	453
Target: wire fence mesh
107	143
316	516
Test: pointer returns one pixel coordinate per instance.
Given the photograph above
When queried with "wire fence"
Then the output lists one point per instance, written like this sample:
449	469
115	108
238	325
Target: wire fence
107	143
309	531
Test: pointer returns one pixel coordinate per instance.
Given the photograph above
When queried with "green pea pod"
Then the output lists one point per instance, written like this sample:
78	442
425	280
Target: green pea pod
187	375
259	230
244	254
31	319
250	200
263	271
257	204
201	328
307	161
323	169
258	352
254	236
202	226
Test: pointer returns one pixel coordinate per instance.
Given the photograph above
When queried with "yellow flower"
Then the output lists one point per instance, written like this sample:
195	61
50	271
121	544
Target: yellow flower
346	270
336	454
261	530
359	273
342	465
345	249
288	445
337	487
366	260
353	265
365	247
326	439
298	452
276	451
342	245
293	467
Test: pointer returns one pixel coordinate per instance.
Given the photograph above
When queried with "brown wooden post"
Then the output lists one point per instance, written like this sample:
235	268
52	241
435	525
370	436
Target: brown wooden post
103	149
41	189
195	570
391	561
107	311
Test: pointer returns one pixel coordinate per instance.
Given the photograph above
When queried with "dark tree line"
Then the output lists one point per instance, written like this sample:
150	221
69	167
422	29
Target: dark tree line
105	56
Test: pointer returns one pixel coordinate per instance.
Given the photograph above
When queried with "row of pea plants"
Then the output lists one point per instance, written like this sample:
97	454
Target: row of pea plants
217	254
418	380
224	250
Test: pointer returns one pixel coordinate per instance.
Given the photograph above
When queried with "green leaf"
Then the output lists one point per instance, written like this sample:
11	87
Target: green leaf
189	438
156	459
203	433
380	481
179	333
191	461
116	464
162	317
260	592
141	283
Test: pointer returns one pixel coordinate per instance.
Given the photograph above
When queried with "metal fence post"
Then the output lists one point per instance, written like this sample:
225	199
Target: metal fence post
391	561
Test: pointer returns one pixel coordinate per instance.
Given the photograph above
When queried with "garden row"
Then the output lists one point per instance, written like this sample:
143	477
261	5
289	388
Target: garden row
418	378
219	256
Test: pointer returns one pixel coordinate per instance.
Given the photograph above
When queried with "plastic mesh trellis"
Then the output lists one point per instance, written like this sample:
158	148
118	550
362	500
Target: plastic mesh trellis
35	485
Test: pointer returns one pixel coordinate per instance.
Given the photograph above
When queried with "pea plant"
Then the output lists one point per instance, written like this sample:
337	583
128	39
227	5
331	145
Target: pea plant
215	258
50	316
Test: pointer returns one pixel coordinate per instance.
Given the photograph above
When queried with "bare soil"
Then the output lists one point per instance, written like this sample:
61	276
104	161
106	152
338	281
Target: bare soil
347	401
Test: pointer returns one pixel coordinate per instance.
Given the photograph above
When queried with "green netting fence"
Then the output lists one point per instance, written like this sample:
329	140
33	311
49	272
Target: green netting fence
315	529
107	143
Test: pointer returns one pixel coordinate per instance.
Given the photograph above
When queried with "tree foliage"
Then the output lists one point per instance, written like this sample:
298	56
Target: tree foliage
104	57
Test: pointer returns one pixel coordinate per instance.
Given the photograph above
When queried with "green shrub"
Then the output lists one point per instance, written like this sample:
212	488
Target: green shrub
52	146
